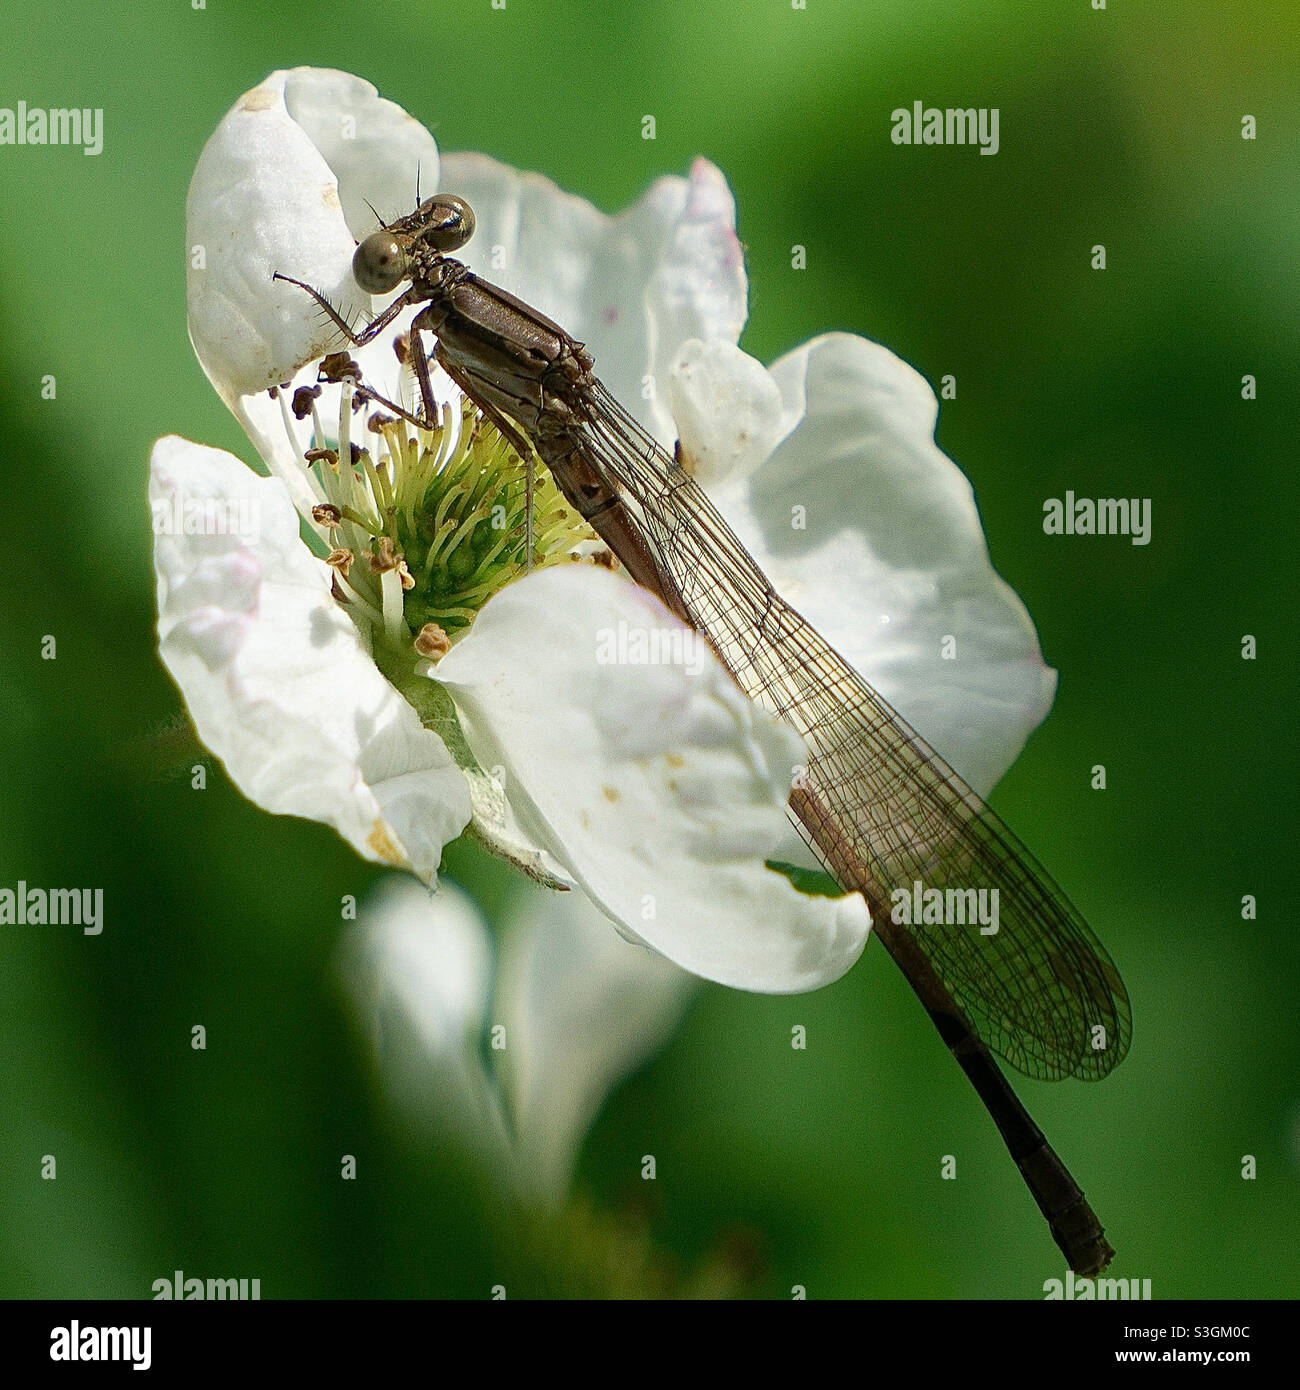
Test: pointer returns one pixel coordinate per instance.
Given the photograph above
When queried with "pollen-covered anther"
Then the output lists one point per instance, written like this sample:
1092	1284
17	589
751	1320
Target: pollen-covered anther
302	400
326	514
378	422
384	556
340	559
432	641
405	575
339	366
330	456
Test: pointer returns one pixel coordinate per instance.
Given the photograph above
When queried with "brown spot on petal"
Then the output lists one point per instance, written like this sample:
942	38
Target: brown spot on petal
674	760
260	99
610	793
381	842
330	196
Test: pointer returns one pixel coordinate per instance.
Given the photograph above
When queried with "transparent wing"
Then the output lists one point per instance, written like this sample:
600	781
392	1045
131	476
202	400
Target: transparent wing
1041	992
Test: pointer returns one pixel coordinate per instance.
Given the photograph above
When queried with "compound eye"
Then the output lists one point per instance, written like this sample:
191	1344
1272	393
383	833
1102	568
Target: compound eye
379	264
449	222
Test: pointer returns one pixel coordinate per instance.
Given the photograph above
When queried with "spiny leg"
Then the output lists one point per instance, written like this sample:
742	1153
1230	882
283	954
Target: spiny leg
420	361
370	331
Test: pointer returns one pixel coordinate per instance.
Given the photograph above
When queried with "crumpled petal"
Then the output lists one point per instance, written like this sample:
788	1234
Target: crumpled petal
659	786
583	1008
864	525
275	675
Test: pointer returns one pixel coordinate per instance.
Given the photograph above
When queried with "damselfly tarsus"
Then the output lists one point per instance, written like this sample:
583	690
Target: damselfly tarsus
879	806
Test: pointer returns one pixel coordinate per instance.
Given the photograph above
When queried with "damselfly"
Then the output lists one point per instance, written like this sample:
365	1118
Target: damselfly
878	805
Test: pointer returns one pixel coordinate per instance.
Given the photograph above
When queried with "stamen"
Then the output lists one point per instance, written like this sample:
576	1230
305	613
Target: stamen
345	419
390	589
361	606
290	428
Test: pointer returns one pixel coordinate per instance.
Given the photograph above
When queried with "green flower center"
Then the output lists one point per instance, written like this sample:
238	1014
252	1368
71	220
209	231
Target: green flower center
424	525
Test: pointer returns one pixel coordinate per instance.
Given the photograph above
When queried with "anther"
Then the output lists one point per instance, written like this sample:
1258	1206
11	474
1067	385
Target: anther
432	641
383	557
302	399
339	366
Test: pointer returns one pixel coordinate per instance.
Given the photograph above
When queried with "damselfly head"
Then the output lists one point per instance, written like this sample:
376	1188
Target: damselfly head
444	222
379	263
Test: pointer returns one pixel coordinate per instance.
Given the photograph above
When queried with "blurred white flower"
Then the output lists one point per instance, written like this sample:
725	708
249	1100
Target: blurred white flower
511	1060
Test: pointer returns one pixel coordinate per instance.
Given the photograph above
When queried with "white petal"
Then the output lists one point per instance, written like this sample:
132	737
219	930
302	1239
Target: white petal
419	969
872	533
275	675
659	786
583	1009
633	287
728	412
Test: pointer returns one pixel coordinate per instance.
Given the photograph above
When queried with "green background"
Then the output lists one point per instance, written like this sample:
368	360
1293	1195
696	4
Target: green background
775	1167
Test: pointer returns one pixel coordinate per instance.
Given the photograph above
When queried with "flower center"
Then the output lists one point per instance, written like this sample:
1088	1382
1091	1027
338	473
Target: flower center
424	525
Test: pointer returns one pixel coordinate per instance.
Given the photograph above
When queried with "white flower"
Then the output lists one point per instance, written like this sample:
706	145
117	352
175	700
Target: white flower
512	1059
657	790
